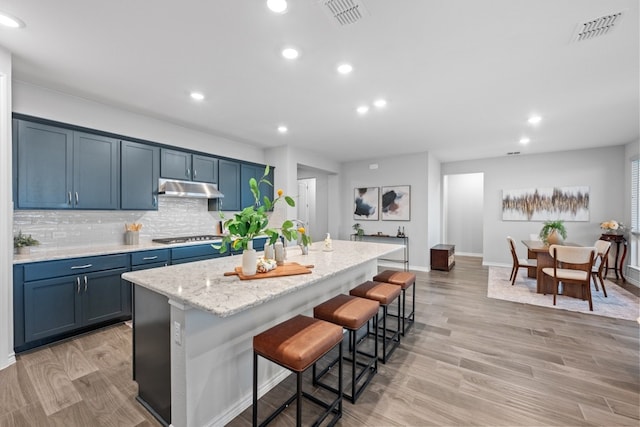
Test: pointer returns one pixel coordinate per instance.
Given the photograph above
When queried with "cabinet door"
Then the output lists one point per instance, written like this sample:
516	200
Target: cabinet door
175	164
105	296
205	169
95	171
45	169
140	170
229	185
51	307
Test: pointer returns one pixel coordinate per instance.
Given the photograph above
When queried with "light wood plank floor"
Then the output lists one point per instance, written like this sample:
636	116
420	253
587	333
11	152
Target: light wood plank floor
469	360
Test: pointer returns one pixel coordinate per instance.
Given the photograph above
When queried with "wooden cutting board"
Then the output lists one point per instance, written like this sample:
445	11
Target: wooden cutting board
288	269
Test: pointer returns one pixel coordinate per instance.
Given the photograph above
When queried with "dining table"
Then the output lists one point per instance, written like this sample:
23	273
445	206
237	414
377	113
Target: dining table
538	250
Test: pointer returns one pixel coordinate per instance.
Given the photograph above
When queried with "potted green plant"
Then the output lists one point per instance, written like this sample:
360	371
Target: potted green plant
550	231
253	221
359	231
23	242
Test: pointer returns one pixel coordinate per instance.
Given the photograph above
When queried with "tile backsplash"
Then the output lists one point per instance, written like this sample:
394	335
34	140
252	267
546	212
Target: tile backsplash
57	229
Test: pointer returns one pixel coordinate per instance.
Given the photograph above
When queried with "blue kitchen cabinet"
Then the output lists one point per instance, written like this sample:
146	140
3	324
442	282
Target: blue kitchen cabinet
182	165
139	172
63	169
186	254
229	185
205	169
57	299
45	169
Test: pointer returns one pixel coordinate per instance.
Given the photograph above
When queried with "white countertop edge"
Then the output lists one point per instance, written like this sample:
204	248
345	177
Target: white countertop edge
203	286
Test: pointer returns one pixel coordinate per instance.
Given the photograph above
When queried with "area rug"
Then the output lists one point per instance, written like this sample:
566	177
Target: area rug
619	303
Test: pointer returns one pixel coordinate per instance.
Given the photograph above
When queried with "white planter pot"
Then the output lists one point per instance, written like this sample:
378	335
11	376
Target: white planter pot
249	262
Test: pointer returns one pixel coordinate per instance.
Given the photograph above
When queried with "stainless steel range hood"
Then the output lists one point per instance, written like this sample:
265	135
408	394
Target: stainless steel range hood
200	190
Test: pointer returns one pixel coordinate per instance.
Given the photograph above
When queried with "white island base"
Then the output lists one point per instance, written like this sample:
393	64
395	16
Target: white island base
214	319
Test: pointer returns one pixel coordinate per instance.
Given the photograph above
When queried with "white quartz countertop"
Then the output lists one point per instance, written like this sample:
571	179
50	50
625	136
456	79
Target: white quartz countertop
37	255
202	284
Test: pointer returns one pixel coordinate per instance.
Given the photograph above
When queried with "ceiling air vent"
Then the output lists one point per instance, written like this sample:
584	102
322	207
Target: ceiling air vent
344	12
597	27
513	153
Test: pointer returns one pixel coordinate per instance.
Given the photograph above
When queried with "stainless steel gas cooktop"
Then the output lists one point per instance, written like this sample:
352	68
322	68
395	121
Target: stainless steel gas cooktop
187	239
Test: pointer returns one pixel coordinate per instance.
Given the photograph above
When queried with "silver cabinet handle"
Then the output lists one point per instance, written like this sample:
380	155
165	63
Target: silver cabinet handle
155	200
85	283
188	172
79	267
78	284
69	199
77	200
195	173
149	258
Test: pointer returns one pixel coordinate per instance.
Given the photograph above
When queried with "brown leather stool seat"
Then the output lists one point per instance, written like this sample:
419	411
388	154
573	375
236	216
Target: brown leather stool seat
352	313
405	280
296	344
385	294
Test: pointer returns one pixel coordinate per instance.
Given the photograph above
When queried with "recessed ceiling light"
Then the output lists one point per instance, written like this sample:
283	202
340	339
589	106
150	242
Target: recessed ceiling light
277	6
197	96
380	103
363	109
524	140
534	120
345	68
10	21
283	129
290	53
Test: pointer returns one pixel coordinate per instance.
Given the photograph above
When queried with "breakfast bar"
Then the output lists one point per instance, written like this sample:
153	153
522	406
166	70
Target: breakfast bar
212	318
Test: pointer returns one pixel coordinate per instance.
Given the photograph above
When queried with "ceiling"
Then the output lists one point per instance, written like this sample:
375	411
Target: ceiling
461	77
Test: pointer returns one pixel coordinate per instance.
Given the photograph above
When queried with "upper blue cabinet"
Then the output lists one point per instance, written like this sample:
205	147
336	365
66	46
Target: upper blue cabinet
139	171
186	166
63	169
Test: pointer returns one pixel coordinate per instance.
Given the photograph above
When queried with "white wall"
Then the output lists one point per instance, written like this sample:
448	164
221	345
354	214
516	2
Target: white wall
7	356
602	169
401	170
463	212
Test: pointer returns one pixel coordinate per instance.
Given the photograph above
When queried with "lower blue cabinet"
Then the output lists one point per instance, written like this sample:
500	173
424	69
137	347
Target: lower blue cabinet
52	308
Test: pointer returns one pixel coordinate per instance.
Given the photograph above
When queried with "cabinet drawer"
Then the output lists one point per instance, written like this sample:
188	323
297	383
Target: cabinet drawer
150	257
194	251
66	267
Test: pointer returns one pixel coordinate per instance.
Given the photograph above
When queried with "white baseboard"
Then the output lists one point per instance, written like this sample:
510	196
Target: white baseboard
11	359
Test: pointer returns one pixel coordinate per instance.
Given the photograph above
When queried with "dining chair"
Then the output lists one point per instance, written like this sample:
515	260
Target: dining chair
572	265
518	262
602	246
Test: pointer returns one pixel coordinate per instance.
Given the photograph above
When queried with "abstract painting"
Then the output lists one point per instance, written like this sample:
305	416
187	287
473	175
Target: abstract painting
544	204
396	203
365	202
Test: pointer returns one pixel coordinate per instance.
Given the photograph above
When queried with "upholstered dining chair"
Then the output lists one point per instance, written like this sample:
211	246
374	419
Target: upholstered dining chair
517	262
571	264
602	246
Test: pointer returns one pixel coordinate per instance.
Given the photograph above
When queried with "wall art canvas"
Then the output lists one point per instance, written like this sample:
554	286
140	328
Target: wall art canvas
543	204
396	203
366	203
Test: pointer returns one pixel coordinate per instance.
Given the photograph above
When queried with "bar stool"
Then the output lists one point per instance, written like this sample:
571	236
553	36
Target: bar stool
352	313
405	280
385	294
296	344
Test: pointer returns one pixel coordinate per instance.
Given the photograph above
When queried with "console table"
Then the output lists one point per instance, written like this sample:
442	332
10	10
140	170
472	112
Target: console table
377	237
617	239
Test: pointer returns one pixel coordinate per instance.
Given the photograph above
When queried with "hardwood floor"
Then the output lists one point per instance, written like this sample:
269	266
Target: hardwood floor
468	360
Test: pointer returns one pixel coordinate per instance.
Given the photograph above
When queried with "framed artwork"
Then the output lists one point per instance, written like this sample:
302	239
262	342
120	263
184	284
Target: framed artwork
544	204
396	203
365	203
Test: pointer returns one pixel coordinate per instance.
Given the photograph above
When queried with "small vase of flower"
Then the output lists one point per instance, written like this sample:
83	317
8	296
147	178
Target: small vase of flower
23	242
612	227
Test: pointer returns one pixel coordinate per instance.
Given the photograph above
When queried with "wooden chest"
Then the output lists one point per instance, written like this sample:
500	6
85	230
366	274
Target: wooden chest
443	257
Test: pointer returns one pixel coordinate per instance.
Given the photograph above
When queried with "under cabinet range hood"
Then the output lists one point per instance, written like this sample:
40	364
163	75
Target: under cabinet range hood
199	190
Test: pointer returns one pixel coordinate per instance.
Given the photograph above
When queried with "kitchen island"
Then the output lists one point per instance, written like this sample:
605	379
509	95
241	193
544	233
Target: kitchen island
212	319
